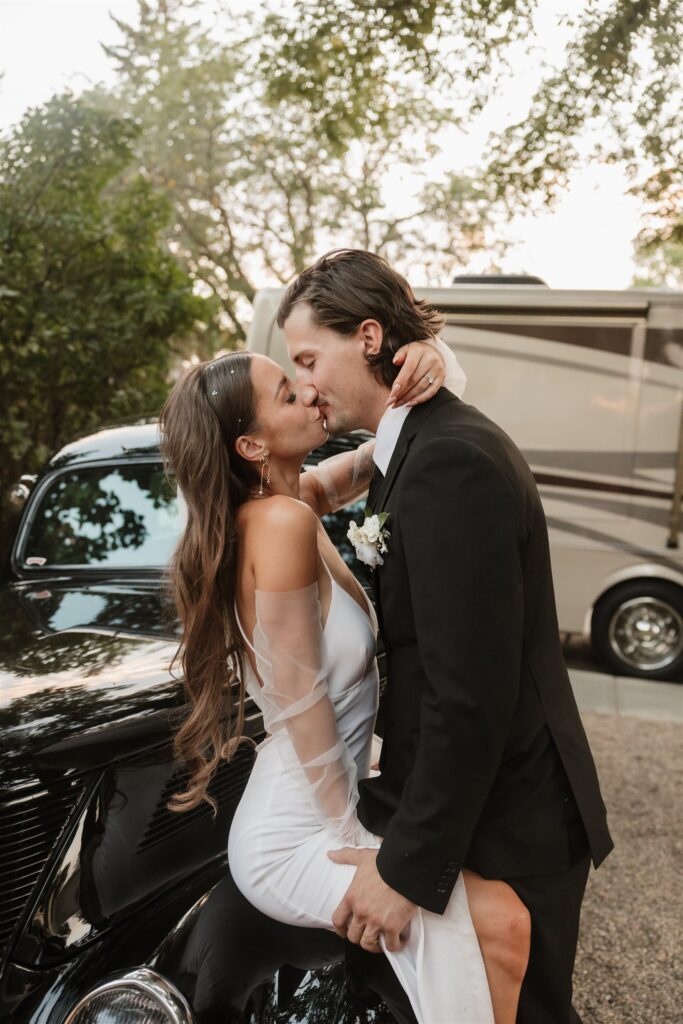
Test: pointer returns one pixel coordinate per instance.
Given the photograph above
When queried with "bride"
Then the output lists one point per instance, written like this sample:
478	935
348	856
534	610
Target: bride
266	601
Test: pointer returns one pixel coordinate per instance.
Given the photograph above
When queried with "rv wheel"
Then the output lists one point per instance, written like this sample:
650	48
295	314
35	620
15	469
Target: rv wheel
637	630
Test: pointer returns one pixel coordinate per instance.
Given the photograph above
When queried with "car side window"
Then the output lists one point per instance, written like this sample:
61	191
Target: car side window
129	515
105	516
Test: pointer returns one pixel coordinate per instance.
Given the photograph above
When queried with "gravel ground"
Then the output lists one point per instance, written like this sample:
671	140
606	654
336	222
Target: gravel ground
628	967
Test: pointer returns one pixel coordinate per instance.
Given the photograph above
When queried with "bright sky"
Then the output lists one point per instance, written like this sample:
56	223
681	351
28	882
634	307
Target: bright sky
586	242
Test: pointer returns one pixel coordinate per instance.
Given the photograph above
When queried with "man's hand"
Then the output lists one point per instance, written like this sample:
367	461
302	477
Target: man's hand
370	907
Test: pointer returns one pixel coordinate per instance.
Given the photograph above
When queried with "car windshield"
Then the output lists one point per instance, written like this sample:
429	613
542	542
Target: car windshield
106	516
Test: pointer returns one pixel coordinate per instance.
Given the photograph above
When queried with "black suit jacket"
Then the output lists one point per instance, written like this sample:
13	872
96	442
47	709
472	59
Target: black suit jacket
485	762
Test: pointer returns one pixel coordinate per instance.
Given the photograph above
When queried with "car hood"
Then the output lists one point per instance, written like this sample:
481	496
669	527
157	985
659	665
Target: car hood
84	670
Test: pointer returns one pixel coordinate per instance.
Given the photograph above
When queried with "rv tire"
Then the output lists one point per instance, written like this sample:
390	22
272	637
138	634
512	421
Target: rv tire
637	630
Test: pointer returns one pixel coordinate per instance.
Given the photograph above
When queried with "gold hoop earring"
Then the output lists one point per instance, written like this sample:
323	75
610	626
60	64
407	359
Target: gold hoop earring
264	463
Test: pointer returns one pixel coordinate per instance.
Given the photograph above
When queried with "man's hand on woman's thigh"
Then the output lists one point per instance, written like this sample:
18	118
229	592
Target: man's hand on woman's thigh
370	907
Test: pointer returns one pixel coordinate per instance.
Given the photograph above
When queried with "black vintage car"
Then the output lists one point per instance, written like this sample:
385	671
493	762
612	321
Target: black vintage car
112	908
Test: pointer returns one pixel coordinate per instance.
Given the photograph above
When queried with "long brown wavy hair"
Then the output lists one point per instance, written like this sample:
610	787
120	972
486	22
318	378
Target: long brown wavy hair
207	409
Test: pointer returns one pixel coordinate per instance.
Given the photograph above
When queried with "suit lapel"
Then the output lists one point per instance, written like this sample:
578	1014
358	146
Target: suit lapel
375	485
413	422
400	451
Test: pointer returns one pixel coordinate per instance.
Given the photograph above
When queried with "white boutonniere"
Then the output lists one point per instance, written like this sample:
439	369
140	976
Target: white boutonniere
370	539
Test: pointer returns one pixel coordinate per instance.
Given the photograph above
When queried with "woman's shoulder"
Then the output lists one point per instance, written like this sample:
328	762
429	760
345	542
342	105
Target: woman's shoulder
281	514
283	543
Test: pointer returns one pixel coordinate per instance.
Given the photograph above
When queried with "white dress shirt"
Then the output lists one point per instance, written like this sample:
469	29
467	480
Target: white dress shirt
389	427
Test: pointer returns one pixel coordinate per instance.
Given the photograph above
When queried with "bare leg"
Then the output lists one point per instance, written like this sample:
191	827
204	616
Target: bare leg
503	927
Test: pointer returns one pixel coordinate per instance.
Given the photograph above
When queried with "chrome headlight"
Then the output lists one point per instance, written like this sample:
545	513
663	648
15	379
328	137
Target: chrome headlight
137	997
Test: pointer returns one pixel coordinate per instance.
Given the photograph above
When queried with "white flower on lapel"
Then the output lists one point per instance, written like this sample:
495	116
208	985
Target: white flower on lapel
370	539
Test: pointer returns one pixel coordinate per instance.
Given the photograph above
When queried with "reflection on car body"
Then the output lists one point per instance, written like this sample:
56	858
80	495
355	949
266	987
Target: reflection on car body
113	908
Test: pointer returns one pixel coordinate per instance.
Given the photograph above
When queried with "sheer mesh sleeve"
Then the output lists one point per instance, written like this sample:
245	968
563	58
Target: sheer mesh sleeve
290	659
345	478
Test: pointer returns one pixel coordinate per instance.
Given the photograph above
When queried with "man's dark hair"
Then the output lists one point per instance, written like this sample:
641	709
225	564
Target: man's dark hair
346	286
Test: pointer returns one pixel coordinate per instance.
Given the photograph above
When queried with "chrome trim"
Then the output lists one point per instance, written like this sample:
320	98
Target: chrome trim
172	1001
646	633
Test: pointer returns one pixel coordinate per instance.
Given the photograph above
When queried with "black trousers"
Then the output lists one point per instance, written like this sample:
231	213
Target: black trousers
554	902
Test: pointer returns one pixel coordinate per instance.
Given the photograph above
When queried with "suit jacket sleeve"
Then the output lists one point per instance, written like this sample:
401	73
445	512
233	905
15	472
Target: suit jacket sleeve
462	531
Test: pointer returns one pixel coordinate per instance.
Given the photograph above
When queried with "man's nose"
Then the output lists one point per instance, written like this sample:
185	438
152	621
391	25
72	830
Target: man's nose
309	394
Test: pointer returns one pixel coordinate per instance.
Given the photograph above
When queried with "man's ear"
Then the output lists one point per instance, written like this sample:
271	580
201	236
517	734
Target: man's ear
250	448
371	334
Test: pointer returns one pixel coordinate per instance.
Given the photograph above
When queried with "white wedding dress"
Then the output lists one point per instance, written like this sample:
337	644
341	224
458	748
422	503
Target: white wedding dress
319	700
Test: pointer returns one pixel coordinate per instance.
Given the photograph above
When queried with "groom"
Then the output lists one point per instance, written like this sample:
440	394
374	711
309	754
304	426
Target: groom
484	763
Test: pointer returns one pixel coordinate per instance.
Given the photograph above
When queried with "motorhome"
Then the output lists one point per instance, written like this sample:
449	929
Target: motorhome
589	385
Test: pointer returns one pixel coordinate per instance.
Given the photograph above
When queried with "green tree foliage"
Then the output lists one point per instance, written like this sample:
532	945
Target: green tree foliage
621	86
260	184
341	59
616	96
659	244
182	89
89	300
660	264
